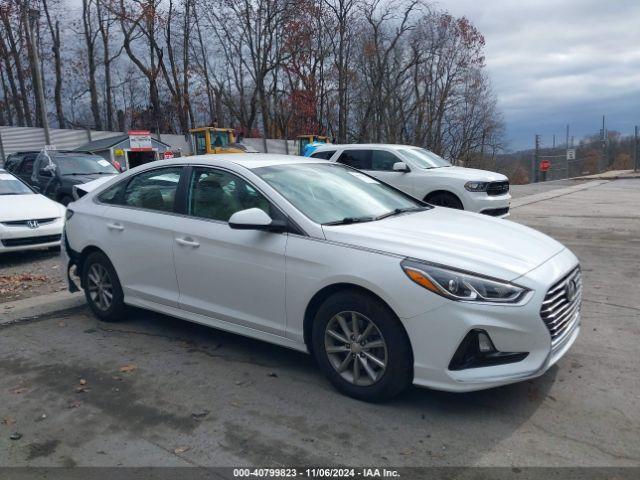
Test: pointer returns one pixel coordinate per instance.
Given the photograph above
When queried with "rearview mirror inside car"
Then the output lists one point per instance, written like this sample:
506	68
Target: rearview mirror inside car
255	219
401	167
45	173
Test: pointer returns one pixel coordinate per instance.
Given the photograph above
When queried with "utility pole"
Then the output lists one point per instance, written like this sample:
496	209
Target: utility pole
567	156
603	161
554	140
536	160
636	160
4	159
33	19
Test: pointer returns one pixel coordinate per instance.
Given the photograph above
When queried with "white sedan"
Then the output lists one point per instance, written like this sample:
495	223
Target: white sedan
382	289
28	220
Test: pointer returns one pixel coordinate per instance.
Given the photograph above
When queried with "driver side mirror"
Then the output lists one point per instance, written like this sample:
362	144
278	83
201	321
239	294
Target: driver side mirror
401	167
256	219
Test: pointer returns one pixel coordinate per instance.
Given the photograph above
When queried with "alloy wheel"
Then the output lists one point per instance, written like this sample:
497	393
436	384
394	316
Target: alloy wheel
356	348
100	286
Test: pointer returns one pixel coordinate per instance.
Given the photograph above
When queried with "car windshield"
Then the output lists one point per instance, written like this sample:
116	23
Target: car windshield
336	194
83	165
423	158
10	185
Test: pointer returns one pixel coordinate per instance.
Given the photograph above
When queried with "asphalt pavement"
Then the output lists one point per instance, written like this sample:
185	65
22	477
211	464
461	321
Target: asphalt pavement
153	390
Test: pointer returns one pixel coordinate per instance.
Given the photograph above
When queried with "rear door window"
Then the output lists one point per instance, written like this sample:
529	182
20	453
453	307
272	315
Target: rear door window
360	159
154	190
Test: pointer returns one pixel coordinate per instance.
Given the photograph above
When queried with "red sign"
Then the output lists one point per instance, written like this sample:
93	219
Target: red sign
168	154
545	165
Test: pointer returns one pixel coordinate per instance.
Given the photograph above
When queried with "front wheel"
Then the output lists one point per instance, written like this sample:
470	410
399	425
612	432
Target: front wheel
445	199
361	347
102	288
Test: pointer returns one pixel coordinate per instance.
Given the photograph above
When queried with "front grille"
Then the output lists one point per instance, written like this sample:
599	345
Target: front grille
24	223
561	305
498	188
20	242
496	212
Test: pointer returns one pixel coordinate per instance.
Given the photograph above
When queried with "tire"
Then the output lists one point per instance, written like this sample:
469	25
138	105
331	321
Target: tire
65	200
445	199
386	382
98	279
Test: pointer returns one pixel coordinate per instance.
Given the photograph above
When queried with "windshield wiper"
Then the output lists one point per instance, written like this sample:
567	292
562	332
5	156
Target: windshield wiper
348	220
88	173
399	211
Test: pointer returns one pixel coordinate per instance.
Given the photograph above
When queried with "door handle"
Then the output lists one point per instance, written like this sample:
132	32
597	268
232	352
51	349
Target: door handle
188	242
115	226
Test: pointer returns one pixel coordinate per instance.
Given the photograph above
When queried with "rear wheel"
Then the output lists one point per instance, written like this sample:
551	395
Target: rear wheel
361	347
445	199
102	288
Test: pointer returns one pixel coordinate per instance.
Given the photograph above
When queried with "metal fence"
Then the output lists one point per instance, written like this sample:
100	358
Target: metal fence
17	139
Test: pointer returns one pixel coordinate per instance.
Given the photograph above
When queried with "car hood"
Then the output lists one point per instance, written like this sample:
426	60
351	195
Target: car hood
79	179
28	207
463	240
469	174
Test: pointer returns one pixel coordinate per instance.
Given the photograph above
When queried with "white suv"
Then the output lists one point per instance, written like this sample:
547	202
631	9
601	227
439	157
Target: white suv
426	176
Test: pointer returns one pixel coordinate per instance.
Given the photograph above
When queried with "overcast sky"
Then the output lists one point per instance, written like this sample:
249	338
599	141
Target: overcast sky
558	62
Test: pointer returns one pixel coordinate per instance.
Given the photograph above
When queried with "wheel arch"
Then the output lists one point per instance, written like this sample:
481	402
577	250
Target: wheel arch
86	251
316	301
433	193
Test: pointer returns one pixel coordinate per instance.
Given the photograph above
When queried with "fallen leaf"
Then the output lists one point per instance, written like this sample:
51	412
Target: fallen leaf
62	324
18	390
180	450
83	381
8	421
128	368
74	404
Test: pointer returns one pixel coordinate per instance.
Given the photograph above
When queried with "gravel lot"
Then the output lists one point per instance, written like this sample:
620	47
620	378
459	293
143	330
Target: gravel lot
30	273
153	390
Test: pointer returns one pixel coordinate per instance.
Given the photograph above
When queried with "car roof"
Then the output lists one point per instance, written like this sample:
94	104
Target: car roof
71	153
362	146
247	160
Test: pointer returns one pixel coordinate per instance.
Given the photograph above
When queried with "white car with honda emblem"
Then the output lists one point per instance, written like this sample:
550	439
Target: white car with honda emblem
28	220
383	289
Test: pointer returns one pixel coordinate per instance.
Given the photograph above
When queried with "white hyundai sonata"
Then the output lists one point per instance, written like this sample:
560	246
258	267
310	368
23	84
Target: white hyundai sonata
381	288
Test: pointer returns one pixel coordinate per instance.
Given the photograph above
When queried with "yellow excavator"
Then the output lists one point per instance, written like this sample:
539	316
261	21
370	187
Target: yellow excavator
215	140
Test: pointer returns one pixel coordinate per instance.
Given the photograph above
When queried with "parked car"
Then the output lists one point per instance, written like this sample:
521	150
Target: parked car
21	164
383	289
426	176
27	219
55	172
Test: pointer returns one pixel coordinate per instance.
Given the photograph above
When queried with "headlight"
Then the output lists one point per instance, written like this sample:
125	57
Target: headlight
462	286
476	186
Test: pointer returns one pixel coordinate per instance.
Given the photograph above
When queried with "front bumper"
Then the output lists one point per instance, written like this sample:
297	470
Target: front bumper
494	205
436	335
15	238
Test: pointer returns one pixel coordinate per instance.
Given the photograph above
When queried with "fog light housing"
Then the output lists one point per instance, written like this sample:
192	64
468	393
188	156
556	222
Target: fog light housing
477	350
